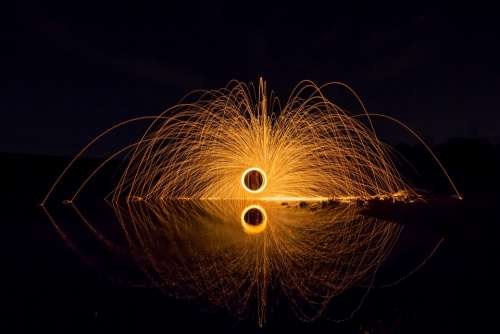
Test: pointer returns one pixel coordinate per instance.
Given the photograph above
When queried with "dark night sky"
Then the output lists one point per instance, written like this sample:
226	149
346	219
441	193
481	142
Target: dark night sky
71	71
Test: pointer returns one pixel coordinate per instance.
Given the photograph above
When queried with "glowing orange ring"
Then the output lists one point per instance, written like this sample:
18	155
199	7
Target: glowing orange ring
261	172
254	229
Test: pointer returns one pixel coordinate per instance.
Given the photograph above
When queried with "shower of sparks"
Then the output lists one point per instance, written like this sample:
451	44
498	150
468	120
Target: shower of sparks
307	148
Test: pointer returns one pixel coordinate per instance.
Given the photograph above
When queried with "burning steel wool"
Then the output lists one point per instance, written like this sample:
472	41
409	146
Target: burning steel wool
203	199
238	143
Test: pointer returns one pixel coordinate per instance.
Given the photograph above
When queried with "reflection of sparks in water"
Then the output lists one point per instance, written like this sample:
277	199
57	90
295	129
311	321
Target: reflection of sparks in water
198	248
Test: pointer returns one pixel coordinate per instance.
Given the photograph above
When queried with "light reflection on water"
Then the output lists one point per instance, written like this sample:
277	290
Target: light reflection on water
243	256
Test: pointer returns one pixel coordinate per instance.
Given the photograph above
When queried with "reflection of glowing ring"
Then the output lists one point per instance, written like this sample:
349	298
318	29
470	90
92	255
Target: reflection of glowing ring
264	179
254	229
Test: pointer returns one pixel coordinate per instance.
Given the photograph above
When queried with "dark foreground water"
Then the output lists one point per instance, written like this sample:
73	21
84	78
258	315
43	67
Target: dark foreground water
81	283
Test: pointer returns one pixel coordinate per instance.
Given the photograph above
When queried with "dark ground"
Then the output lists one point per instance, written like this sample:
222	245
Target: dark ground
47	286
